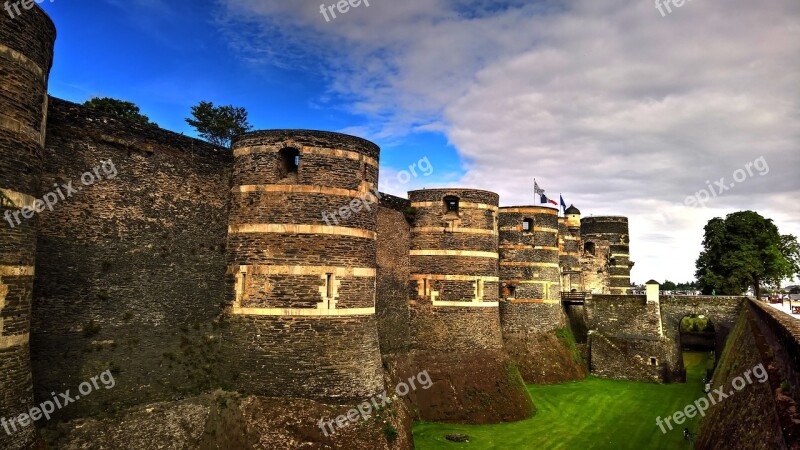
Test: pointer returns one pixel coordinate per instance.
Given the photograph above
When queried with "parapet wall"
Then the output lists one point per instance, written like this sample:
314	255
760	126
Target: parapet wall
26	55
757	373
130	269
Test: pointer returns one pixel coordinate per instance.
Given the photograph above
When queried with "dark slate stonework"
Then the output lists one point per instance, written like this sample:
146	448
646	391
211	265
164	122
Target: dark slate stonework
130	272
613	230
530	310
322	357
396	203
721	310
782	332
625	332
394	240
760	415
26	55
330	360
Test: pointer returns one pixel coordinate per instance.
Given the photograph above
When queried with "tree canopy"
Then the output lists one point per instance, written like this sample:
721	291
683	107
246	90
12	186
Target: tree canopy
119	108
219	124
745	250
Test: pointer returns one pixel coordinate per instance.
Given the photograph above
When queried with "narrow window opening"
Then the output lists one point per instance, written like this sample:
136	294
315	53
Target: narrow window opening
425	288
527	225
589	248
653	361
451	205
512	292
290	162
329	285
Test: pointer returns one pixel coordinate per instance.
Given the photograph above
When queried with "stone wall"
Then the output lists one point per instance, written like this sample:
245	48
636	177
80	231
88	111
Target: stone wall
721	311
26	55
782	333
130	268
394	241
625	338
631	338
754	415
302	266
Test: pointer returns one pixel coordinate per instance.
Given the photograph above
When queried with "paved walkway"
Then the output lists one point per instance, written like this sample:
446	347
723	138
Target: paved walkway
785	307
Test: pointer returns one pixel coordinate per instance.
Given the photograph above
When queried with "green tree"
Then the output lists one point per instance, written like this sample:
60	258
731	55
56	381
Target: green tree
668	286
119	108
745	250
219	124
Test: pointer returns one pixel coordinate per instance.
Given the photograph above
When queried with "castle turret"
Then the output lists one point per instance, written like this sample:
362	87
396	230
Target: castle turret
530	278
612	231
26	55
569	246
454	307
302	258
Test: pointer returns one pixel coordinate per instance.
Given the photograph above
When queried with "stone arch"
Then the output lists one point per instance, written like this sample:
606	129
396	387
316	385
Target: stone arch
721	311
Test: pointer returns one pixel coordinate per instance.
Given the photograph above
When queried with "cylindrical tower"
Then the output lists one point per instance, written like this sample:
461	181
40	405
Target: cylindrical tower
302	264
455	320
569	249
26	55
614	231
454	264
529	255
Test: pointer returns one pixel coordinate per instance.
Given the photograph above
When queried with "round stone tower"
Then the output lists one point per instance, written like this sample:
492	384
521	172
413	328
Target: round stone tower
569	249
611	231
530	306
454	287
26	55
302	265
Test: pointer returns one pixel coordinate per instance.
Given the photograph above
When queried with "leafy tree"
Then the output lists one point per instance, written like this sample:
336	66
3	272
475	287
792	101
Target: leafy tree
668	286
119	108
745	250
219	124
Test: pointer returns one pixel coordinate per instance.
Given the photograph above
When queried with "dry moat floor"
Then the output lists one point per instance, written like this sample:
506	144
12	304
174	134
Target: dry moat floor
589	414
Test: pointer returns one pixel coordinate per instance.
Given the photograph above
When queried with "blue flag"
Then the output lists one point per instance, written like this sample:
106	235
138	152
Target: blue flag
564	205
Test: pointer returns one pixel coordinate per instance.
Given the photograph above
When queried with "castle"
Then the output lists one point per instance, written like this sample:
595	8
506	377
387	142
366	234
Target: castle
200	267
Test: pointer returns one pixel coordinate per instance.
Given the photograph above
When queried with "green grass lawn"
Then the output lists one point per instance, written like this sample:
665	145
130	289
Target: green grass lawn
589	414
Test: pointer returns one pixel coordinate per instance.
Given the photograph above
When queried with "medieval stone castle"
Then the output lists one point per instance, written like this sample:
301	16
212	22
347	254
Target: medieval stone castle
200	267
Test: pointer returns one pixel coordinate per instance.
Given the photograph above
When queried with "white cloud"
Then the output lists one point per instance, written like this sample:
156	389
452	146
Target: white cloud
624	111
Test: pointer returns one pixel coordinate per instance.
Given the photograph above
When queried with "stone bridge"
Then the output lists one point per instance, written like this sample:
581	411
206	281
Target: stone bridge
637	337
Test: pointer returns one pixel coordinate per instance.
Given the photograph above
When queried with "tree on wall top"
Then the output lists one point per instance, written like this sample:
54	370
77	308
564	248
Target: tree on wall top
119	108
745	250
219	124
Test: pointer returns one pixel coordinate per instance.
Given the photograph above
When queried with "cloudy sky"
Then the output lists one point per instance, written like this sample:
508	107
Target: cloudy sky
622	110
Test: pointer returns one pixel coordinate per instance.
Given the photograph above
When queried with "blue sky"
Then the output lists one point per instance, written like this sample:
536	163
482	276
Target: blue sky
167	56
621	109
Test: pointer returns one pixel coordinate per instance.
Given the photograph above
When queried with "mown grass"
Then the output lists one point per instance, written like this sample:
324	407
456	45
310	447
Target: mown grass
589	414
